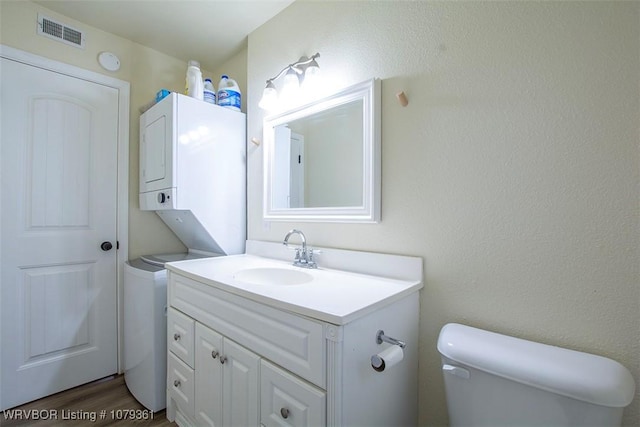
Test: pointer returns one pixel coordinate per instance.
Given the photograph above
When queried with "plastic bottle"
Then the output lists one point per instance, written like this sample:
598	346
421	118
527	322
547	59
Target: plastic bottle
229	93
209	92
194	87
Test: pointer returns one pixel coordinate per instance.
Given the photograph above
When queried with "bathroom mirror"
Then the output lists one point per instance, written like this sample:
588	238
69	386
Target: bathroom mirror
322	160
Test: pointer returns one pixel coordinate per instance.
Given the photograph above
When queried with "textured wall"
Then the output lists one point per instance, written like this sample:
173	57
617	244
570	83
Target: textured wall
513	172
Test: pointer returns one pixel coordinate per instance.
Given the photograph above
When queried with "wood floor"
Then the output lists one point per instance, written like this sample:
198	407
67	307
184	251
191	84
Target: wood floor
102	403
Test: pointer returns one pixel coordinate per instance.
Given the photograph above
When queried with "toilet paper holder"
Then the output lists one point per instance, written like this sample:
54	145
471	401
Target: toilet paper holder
390	356
381	337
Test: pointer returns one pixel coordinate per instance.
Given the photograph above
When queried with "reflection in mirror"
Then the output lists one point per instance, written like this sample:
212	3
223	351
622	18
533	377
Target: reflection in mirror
303	149
322	161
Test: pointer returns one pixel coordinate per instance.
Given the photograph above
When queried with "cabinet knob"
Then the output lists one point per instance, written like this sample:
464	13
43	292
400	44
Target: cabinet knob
176	337
223	359
176	383
214	354
284	412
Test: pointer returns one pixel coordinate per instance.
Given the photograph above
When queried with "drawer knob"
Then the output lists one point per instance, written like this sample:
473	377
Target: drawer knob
176	383
284	412
223	359
214	354
176	337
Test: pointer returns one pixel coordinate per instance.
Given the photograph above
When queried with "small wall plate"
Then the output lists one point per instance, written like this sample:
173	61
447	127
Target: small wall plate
109	61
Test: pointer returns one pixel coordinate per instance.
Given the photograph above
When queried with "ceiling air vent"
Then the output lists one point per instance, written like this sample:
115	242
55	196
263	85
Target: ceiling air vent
58	31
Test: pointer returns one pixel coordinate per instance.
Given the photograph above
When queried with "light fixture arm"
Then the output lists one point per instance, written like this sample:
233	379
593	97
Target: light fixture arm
295	67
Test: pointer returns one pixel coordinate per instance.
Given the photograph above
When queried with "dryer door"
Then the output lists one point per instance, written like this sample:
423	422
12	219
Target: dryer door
156	146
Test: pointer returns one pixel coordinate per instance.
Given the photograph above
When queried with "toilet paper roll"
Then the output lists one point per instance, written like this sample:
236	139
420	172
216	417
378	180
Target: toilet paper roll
387	358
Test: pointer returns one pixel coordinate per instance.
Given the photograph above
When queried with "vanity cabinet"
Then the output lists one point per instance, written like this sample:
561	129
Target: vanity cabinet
237	361
213	380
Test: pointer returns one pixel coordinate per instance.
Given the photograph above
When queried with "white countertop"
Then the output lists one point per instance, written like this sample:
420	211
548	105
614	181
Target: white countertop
333	296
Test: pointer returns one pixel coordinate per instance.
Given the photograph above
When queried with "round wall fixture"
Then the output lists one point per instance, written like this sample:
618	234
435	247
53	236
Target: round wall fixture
109	61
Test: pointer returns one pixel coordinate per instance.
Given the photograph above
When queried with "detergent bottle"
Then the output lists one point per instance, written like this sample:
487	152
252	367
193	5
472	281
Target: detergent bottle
229	95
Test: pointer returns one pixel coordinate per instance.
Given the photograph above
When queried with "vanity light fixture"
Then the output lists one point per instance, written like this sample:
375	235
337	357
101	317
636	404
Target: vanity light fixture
300	73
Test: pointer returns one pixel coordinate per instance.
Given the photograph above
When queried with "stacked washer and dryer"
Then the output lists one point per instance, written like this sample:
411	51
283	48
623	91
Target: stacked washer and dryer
193	174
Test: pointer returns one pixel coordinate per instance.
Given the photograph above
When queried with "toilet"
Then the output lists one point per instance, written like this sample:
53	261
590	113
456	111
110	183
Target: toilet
496	380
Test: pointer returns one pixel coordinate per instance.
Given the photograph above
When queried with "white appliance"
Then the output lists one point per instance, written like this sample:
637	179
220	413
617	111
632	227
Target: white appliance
193	172
145	332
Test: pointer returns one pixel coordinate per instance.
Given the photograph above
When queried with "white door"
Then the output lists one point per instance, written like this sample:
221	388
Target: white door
296	180
288	183
59	191
281	176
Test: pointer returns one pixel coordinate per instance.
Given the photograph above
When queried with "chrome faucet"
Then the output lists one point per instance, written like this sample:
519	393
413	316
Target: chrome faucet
304	255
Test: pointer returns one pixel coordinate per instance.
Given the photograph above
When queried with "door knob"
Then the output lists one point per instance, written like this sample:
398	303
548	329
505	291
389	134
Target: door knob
106	246
284	412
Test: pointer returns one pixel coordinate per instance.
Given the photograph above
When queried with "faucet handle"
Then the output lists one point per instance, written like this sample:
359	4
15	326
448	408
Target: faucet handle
313	252
310	262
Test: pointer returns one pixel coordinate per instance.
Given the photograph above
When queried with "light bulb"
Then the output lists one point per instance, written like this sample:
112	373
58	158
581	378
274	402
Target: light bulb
312	71
311	83
291	82
269	97
290	87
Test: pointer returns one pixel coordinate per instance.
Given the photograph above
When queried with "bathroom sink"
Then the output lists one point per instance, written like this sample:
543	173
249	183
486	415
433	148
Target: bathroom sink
273	276
348	286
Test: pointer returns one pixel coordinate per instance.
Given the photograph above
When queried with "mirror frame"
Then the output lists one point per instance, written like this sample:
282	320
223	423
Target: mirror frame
370	93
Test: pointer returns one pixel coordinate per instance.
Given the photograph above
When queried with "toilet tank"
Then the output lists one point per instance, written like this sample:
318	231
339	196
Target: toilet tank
496	380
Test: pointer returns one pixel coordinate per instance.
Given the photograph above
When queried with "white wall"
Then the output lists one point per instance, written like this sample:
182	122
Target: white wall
513	171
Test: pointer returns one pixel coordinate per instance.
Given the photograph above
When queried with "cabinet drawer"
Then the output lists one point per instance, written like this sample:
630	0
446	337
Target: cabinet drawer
180	331
180	383
294	342
289	401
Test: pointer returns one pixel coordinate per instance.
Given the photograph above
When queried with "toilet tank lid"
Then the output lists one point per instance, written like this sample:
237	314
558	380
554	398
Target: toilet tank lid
586	377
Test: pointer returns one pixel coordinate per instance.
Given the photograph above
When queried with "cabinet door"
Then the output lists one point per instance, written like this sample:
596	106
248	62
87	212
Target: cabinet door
208	400
240	385
287	400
